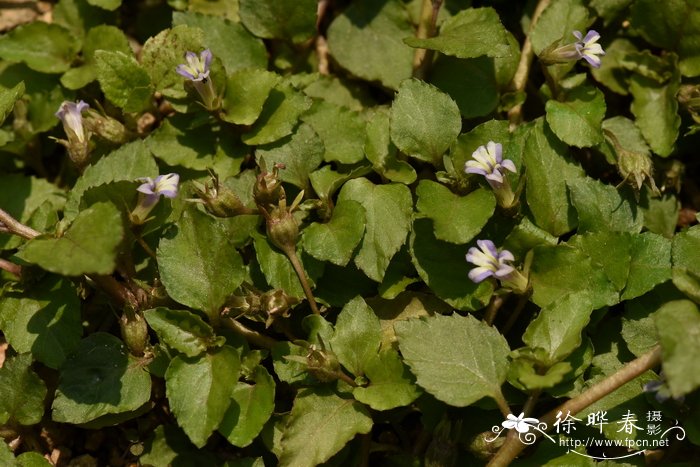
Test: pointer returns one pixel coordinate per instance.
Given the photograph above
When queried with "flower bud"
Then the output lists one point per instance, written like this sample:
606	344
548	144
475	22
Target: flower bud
78	144
134	332
282	228
219	201
106	127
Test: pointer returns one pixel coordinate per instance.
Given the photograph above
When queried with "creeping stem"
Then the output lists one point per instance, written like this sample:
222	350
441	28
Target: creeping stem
515	115
14	226
120	293
512	447
422	58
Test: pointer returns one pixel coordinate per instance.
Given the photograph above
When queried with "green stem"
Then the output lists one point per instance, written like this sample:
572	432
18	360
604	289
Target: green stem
254	337
502	404
515	115
512	447
299	269
492	310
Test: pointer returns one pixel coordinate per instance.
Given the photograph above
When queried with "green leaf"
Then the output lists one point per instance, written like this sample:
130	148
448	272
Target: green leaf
326	418
686	262
271	19
391	384
678	327
610	73
246	93
32	459
335	240
388	210
200	148
342	130
549	169
638	327
470	82
228	41
471	33
161	55
661	214
603	207
182	330
366	39
577	119
169	446
89	246
457	359
671	25
357	336
443	268
456	219
210	377
123	81
100	378
279	116
301	154
23	392
655	108
557	329
277	269
199	266
44	47
424	121
8	97
525	236
44	321
102	37
560	270
106	4
382	153
635	264
558	21
250	409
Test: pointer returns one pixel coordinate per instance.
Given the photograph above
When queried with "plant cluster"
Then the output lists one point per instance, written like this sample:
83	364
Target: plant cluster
350	232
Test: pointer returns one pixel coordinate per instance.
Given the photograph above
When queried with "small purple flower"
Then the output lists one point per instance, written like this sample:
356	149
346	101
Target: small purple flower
588	47
150	192
489	261
70	114
488	161
165	185
197	68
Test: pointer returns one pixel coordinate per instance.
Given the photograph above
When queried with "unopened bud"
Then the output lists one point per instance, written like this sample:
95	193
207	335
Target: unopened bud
106	127
282	228
219	201
134	332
